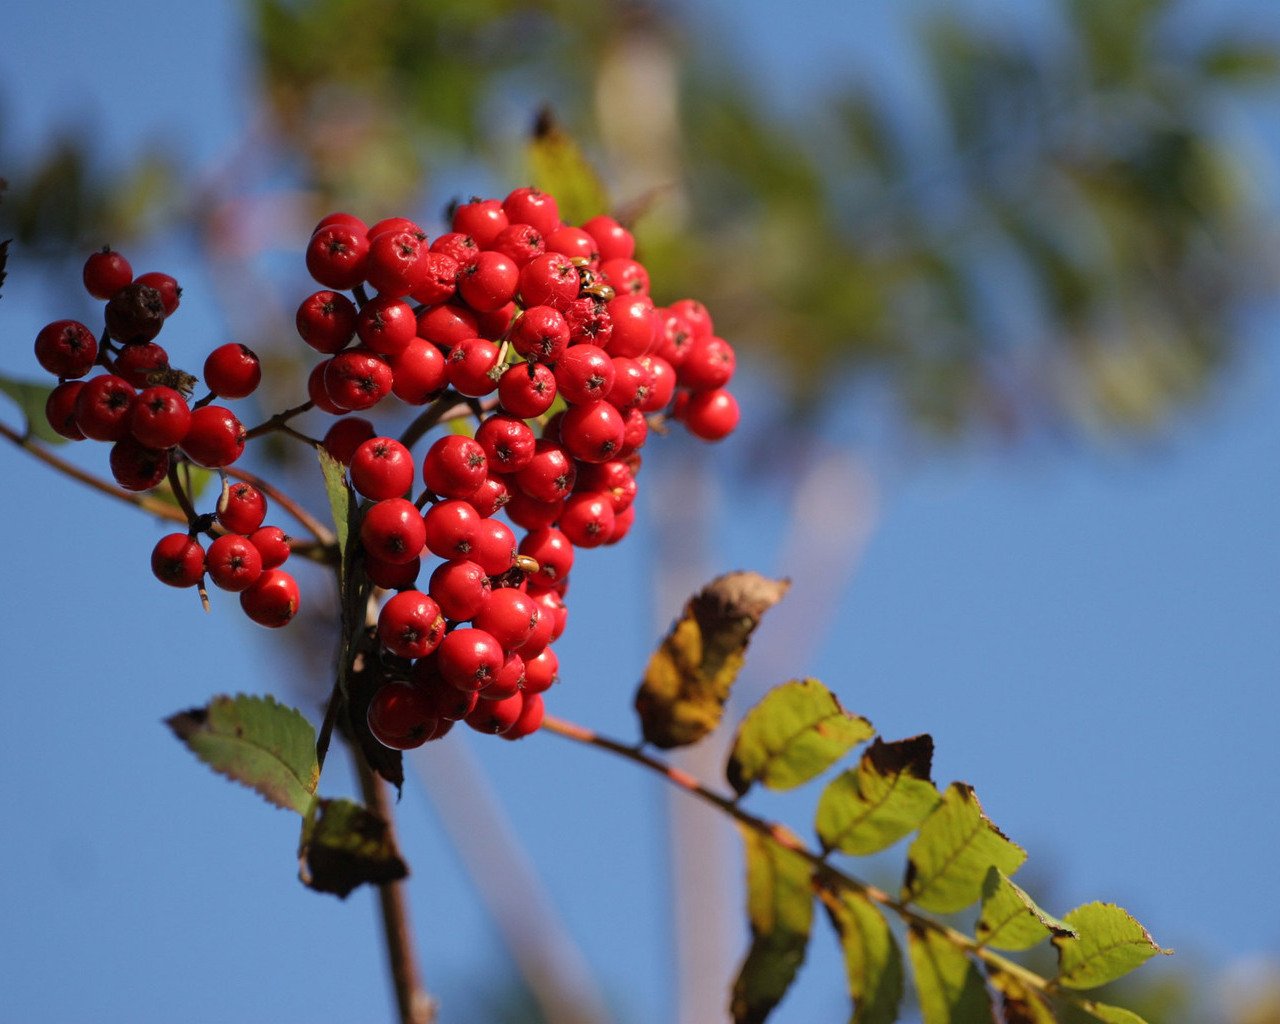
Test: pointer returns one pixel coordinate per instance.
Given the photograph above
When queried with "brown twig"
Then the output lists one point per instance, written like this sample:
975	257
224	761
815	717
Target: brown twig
446	407
783	836
415	1004
278	420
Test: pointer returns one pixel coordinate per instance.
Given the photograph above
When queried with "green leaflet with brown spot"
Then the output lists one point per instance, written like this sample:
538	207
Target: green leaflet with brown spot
345	845
1010	918
949	984
1109	944
688	679
557	166
948	861
780	912
266	746
885	798
797	731
1018	1003
872	960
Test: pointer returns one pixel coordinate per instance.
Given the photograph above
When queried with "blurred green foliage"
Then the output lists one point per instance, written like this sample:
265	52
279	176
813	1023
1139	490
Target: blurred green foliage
1062	242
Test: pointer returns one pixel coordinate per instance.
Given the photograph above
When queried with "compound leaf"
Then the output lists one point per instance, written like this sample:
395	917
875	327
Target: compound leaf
872	960
780	911
557	166
1010	918
886	797
948	983
949	859
797	731
345	845
688	679
1109	944
30	398
266	746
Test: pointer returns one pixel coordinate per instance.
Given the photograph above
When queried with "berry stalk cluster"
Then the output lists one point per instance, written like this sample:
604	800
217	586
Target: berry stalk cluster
543	332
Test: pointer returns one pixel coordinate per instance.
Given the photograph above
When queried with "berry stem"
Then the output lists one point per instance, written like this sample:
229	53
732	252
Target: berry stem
313	525
783	836
278	420
446	407
146	502
415	1003
180	495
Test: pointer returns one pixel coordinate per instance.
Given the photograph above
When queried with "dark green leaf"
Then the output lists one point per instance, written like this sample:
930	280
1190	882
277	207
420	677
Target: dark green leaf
345	845
1109	944
948	983
340	497
780	911
1010	918
957	845
886	797
558	166
872	960
31	398
266	746
688	679
797	731
1241	62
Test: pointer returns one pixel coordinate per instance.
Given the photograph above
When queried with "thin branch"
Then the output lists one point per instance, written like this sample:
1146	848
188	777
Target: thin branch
446	407
415	1004
278	420
317	529
783	836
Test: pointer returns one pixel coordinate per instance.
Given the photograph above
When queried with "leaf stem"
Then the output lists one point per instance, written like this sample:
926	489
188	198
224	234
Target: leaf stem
783	836
414	1002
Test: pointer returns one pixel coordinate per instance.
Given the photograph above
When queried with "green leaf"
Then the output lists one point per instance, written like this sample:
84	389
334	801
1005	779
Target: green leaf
780	911
886	797
345	845
797	731
948	983
1109	944
1111	1014
688	679
340	497
558	166
1241	62
31	398
266	746
462	426
1010	918
872	960
949	859
1018	1003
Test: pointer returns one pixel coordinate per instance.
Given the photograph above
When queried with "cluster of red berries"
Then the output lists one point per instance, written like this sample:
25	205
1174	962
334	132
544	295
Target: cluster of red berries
547	330
141	405
544	332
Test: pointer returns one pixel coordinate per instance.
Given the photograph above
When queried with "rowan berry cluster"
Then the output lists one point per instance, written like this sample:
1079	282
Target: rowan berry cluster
141	406
541	334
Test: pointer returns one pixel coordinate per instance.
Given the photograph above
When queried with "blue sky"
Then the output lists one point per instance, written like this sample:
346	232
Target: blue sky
1090	634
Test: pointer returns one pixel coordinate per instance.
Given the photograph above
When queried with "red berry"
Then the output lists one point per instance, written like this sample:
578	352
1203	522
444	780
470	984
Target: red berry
496	716
447	325
509	617
317	393
493	546
471	367
541	672
392	575
508	442
708	364
106	272
337	254
533	207
346	436
458	246
584	374
527	390
520	243
454	466
508	682
622	524
630	383
386	325
495	323
550	473
392	530
60	410
530	719
549	280
397	263
451	528
552	551
136	363
614	478
410	625
382	467
490	496
137	467
419	372
166	285
627	277
469	659
215	437
695	315
551	603
241	508
482	219
592	433
233	563
574	243
589	322
326	321
711	415
635	325
66	348
178	560
661	383
102	408
440	281
357	379
613	241
400	716
272	544
159	417
396	224
349	220
635	431
272	599
530	513
461	589
587	519
232	371
490	282
540	334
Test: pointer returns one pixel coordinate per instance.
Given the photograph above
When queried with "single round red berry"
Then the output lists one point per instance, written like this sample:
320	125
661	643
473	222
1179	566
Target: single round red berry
490	282
232	371
357	379
392	575
66	348
461	588
482	219
469	659
587	519
527	390
584	374
447	325
490	496
531	716
549	280
574	243
159	417
440	281
178	560
541	672
472	367
136	363
410	625
509	617
345	437
419	372
508	682
102	408
326	320
533	207
530	513
592	433
215	437
317	393
382	468
233	563
553	552
397	263
272	599
392	530
550	474
508	442
241	508
400	716
540	334
708	364
520	243
137	467
60	410
454	466
386	325
451	528
613	241
496	716
493	546
711	415
337	254
166	285
106	272
458	246
626	276
272	544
